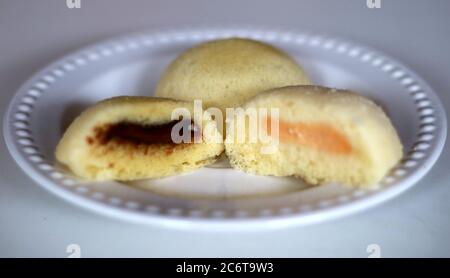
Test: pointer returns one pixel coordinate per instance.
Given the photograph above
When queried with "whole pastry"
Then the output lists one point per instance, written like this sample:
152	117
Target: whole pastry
225	73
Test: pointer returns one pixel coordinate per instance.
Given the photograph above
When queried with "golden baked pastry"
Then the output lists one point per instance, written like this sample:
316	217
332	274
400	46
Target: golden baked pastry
127	138
225	73
325	135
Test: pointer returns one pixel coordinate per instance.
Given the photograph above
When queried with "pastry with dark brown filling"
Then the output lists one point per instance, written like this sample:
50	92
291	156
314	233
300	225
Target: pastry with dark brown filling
128	138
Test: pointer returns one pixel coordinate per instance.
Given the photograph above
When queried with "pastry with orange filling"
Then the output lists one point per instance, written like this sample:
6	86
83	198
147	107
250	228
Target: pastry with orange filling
321	135
128	138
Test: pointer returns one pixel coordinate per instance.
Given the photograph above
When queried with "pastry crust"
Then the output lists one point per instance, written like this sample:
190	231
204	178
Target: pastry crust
90	149
325	135
225	73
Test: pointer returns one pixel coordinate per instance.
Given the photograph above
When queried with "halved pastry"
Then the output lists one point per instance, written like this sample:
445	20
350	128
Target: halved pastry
319	134
128	138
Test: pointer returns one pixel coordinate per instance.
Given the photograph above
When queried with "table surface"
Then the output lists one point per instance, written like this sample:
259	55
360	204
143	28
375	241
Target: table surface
35	223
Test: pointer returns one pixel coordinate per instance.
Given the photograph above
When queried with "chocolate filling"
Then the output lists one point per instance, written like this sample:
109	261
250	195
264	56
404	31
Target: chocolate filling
127	132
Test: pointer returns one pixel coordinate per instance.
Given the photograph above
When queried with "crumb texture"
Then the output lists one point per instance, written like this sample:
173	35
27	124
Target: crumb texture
369	144
90	154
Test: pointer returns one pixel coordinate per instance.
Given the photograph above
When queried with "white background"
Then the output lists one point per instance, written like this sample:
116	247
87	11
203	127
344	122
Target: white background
35	223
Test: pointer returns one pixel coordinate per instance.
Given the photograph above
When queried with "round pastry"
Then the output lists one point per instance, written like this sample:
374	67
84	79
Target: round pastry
128	138
224	73
319	134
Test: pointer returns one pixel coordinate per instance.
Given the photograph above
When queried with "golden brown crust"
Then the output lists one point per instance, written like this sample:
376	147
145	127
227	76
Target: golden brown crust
374	143
80	150
225	73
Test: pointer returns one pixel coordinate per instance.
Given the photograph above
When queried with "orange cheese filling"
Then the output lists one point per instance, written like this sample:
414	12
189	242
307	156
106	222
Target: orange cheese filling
318	135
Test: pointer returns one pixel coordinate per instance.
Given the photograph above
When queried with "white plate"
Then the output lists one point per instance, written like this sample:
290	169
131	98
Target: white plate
214	198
